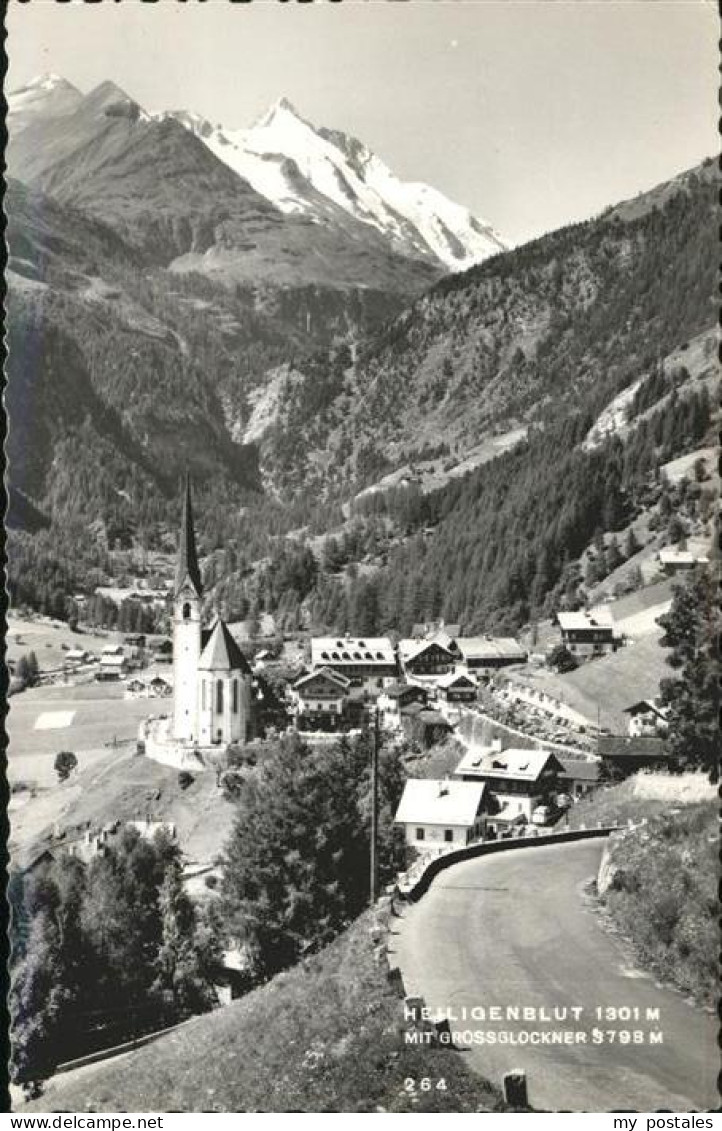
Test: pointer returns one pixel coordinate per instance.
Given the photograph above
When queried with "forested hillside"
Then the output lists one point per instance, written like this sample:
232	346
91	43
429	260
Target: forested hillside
120	376
564	322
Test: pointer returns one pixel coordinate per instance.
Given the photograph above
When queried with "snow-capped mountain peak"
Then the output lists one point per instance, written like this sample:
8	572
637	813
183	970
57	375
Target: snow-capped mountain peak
304	169
323	174
47	95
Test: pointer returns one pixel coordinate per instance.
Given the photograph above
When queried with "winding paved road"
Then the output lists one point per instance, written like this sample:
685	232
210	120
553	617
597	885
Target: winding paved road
517	929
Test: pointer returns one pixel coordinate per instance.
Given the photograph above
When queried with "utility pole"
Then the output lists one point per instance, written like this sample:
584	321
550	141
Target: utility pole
373	878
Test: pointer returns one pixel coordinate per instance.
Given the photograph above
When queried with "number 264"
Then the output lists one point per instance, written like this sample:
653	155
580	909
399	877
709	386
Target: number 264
424	1085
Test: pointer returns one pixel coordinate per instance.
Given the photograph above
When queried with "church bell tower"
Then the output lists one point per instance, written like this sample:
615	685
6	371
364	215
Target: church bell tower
187	595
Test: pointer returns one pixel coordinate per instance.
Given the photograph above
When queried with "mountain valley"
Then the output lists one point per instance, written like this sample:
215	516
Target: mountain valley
302	347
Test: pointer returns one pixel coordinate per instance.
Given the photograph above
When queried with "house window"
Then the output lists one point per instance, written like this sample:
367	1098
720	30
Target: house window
219	697
234	706
186	611
448	835
420	834
203	694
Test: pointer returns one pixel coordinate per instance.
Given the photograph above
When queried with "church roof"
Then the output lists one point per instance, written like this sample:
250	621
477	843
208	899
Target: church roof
221	653
187	565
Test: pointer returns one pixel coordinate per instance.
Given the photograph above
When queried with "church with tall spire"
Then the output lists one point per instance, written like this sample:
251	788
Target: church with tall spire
212	700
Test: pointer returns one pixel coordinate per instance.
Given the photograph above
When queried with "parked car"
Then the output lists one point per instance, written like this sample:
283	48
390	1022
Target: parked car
542	815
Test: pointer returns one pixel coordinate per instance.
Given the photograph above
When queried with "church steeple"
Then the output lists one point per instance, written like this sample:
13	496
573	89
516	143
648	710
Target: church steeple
187	565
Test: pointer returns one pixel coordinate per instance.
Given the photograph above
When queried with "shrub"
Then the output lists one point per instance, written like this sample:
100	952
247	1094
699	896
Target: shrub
185	779
65	763
561	659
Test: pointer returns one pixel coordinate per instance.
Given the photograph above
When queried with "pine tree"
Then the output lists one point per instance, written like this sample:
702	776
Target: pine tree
296	864
691	629
183	975
37	998
631	544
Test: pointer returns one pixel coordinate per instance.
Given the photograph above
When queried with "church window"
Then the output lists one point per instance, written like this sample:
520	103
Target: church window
187	611
219	696
235	697
203	694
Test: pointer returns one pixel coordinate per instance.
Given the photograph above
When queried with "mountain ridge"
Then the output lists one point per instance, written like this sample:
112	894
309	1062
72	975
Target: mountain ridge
318	173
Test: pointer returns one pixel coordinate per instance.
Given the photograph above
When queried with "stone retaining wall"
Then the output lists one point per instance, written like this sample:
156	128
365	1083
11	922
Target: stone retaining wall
417	881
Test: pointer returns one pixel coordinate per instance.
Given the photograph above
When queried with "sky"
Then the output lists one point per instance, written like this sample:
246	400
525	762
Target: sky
532	114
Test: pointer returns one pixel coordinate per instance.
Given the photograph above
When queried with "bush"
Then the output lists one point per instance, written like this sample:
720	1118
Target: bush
561	659
664	897
232	784
185	779
65	763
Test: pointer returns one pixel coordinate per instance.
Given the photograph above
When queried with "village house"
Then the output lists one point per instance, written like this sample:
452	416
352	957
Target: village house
77	656
579	776
519	780
457	688
420	658
439	815
392	701
319	700
113	665
366	662
135	642
675	561
622	756
585	634
486	654
647	717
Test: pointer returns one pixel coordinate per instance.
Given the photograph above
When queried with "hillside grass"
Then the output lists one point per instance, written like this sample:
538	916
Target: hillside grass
124	786
327	1036
613	682
663	897
645	794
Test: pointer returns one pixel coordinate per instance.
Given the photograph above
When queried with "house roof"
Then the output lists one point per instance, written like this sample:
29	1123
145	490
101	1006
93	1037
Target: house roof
112	661
581	619
621	746
643	707
451	679
351	650
411	649
187	568
578	769
512	764
401	690
669	556
491	648
329	674
221	653
430	802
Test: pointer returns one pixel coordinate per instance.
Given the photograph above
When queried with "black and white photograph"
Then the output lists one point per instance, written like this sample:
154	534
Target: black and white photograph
362	558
